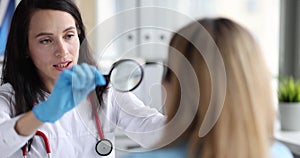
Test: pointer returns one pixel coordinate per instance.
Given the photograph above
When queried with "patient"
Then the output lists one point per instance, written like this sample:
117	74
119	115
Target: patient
219	99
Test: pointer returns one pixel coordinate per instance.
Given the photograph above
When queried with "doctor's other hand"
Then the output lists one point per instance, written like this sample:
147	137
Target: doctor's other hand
71	87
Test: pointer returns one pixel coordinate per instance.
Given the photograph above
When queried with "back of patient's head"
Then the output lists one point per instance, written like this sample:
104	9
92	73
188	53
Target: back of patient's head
244	126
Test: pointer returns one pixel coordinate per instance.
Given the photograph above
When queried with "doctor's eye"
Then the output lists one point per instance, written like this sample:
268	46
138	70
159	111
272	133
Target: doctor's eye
45	41
69	36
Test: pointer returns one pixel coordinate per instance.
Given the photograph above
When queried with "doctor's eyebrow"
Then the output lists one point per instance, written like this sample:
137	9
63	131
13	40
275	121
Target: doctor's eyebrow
48	33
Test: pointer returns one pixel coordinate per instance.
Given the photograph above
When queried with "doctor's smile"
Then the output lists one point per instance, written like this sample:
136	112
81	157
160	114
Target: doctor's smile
63	65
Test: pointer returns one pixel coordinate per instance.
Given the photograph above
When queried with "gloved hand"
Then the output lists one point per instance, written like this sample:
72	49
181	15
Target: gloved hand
71	87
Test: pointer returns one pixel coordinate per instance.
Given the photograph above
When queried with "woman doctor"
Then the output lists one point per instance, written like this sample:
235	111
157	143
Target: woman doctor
50	84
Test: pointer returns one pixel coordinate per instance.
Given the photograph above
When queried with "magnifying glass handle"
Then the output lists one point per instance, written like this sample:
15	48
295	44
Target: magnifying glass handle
106	77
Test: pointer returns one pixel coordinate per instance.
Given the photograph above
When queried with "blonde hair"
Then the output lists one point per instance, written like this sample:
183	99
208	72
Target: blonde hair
245	125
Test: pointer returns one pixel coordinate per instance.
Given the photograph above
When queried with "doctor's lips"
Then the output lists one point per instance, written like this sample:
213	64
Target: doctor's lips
63	65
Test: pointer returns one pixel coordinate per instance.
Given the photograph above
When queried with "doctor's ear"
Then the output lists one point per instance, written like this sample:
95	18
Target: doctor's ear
78	30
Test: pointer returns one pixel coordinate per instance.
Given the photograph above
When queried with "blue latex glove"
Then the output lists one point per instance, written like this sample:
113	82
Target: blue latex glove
70	89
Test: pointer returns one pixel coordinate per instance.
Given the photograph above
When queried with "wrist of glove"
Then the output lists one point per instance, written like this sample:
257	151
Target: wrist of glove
71	87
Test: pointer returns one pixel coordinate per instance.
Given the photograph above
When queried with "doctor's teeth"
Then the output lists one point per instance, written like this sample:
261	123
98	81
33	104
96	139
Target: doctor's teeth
62	65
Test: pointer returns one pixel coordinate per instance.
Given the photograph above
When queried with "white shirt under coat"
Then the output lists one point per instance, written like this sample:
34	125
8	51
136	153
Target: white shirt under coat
75	134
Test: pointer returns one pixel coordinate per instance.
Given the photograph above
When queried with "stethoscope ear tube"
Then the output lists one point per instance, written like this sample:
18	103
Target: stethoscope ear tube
27	146
46	141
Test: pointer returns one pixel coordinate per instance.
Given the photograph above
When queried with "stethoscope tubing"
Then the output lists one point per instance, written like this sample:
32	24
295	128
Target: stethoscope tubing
104	146
26	147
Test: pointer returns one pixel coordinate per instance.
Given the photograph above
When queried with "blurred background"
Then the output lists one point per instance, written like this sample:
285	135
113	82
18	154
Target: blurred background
274	23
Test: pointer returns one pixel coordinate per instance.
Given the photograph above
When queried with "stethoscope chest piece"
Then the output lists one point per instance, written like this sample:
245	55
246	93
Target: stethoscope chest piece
104	147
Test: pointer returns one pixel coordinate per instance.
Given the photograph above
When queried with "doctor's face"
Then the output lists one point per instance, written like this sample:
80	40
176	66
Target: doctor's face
53	43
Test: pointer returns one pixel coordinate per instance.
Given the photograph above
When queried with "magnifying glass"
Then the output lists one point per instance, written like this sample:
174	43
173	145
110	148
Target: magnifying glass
125	75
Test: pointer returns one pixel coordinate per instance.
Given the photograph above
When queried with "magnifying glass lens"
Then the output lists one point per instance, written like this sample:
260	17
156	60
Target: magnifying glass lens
126	75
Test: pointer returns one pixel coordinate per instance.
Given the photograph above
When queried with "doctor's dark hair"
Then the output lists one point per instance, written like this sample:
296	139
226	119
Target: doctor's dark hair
18	68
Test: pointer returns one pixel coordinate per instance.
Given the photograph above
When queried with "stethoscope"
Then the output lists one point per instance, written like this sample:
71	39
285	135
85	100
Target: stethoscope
125	75
27	146
103	146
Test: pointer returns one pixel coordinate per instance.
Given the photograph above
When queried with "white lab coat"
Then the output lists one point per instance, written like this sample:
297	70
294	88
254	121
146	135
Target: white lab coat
75	134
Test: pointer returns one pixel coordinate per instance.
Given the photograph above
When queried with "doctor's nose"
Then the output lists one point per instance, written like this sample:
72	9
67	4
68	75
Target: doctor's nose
61	49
